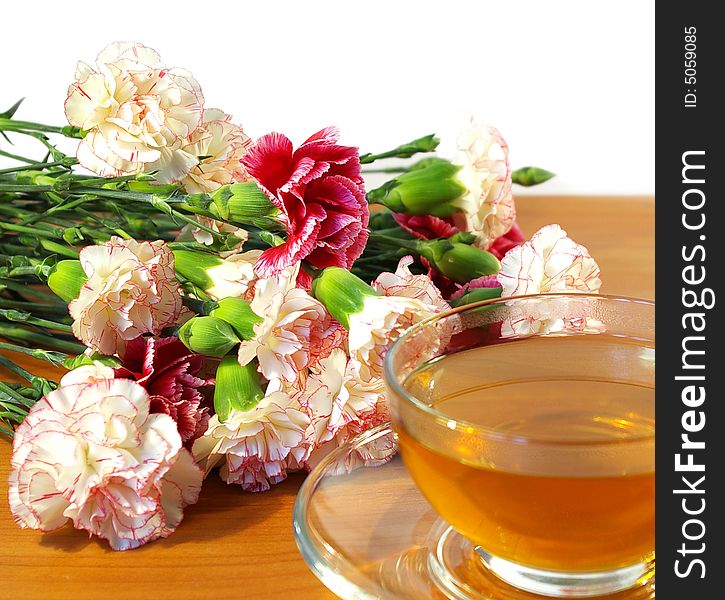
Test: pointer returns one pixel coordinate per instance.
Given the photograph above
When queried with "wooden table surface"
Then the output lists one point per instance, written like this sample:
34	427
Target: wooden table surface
240	545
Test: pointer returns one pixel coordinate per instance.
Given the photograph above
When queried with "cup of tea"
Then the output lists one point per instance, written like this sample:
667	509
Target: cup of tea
528	424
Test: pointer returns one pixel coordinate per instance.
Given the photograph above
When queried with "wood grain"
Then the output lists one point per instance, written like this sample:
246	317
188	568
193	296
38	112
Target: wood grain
239	545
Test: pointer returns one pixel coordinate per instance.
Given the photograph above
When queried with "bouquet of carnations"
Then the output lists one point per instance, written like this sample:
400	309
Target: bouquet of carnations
224	302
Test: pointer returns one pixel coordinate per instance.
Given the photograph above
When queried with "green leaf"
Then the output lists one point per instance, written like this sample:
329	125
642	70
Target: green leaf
8	114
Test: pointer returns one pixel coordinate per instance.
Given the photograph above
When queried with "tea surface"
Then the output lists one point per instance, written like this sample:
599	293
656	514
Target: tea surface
567	480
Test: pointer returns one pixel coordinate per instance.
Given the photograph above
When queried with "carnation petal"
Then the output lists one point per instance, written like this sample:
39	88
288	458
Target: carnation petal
269	162
172	165
297	246
328	135
136	56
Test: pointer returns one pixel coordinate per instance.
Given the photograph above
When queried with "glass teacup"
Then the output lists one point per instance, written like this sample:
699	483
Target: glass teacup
528	424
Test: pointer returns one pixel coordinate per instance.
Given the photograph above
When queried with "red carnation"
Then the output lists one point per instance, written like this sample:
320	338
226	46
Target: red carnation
170	375
502	244
320	192
426	227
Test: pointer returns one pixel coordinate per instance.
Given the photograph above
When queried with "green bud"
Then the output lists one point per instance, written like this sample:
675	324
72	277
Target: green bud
194	266
429	190
209	336
429	162
245	204
237	387
342	293
531	176
459	262
477	295
66	279
239	314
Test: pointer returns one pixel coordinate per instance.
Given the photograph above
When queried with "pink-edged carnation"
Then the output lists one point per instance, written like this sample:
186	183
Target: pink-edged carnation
339	404
294	332
553	315
136	112
255	445
92	454
404	283
131	290
319	189
549	262
168	371
487	209
220	146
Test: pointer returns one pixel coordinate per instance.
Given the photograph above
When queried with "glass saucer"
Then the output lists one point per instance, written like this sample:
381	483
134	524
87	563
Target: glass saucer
366	531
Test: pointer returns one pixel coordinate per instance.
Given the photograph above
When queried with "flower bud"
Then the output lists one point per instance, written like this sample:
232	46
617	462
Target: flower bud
427	190
218	277
195	266
477	295
239	314
66	279
527	176
209	336
237	387
459	262
244	203
342	293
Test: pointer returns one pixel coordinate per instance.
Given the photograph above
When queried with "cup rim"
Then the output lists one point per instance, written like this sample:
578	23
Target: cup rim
463	425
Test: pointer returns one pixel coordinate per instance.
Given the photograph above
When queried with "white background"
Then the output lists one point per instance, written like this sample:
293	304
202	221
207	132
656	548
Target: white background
569	84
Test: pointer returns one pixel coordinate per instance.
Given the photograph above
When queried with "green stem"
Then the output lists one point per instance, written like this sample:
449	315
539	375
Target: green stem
17	316
58	207
17	157
59	249
34	307
427	143
386	170
6	390
35	167
16	187
20	126
32	230
21	334
154	201
17	369
54	358
394	242
25	288
19	213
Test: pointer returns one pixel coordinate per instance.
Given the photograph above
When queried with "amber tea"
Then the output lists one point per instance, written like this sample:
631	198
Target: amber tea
564	480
